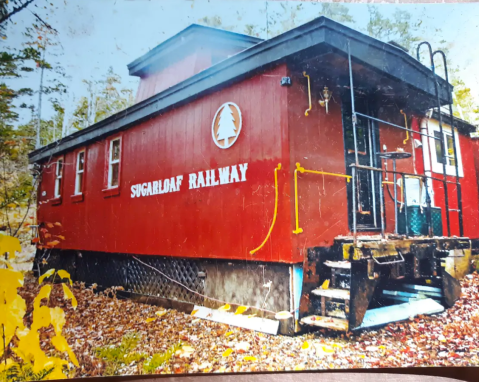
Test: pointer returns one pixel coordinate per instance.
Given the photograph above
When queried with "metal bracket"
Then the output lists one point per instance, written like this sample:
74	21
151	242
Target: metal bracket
286	81
390	262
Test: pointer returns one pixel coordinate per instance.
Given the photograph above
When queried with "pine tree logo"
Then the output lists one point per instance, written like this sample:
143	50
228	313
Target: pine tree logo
226	125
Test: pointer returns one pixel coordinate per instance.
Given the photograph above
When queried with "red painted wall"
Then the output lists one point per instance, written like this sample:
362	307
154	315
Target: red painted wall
317	144
197	61
226	221
470	196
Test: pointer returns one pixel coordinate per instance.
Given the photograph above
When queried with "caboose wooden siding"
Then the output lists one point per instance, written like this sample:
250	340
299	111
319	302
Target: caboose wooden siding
167	137
225	221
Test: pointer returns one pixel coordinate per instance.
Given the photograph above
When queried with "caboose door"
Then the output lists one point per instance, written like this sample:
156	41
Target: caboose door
367	186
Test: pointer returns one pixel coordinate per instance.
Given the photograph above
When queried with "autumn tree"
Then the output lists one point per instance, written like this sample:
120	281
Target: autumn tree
104	99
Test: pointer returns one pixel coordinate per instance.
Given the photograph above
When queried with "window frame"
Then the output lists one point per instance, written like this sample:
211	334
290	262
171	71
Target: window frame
433	127
58	183
112	162
78	172
109	189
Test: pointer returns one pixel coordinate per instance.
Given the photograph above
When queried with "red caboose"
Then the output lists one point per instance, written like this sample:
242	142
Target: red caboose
258	172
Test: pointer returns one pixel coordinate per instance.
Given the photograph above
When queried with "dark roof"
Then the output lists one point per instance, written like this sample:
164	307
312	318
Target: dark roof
322	34
462	126
182	43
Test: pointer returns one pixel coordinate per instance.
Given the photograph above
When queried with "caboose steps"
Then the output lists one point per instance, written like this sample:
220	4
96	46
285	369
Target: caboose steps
340	294
339	324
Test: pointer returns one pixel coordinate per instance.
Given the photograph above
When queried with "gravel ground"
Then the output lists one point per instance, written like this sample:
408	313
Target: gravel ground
447	339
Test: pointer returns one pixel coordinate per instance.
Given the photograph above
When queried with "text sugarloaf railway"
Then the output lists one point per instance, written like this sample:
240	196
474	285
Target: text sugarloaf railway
208	178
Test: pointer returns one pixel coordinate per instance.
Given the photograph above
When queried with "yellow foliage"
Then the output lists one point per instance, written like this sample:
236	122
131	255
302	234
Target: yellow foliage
305	345
68	294
228	334
9	244
65	275
45	275
325	285
12	311
241	309
250	358
148	320
224	308
227	352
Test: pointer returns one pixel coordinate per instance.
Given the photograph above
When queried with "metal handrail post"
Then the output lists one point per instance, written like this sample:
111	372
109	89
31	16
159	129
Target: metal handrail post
443	146
456	164
428	209
381	202
405	203
395	198
353	172
353	108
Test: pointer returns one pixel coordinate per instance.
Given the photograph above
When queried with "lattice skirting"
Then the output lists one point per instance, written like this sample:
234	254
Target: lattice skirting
236	282
109	270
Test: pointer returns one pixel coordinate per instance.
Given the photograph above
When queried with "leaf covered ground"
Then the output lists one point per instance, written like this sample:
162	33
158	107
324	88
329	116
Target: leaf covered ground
447	339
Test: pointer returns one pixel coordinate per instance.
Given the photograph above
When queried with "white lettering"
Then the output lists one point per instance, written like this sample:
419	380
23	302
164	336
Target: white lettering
192	181
224	175
234	174
214	182
201	179
179	179
208	178
172	185
166	186
243	167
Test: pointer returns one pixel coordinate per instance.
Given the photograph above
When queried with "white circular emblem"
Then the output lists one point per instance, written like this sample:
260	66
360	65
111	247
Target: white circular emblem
226	125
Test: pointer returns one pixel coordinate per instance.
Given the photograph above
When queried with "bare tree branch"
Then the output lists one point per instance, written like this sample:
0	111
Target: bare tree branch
15	10
44	22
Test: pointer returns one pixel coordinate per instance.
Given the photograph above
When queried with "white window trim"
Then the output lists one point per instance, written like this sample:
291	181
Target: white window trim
78	171
111	162
433	126
58	178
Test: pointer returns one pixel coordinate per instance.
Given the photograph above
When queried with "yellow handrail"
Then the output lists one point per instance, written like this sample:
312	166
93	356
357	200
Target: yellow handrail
275	210
306	113
303	170
297	230
405	125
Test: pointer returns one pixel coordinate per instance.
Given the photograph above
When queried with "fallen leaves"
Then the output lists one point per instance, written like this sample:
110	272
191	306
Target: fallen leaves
448	339
224	308
241	309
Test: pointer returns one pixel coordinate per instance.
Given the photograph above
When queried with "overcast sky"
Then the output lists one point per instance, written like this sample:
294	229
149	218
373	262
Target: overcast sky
97	34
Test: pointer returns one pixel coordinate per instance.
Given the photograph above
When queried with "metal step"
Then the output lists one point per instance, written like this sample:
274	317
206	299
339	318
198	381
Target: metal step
341	294
338	264
339	324
400	312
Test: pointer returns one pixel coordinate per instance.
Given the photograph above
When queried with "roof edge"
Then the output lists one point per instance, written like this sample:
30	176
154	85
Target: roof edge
193	32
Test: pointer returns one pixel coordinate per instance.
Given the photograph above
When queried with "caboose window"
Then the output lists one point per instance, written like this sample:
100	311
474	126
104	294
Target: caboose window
114	163
436	156
58	178
80	168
